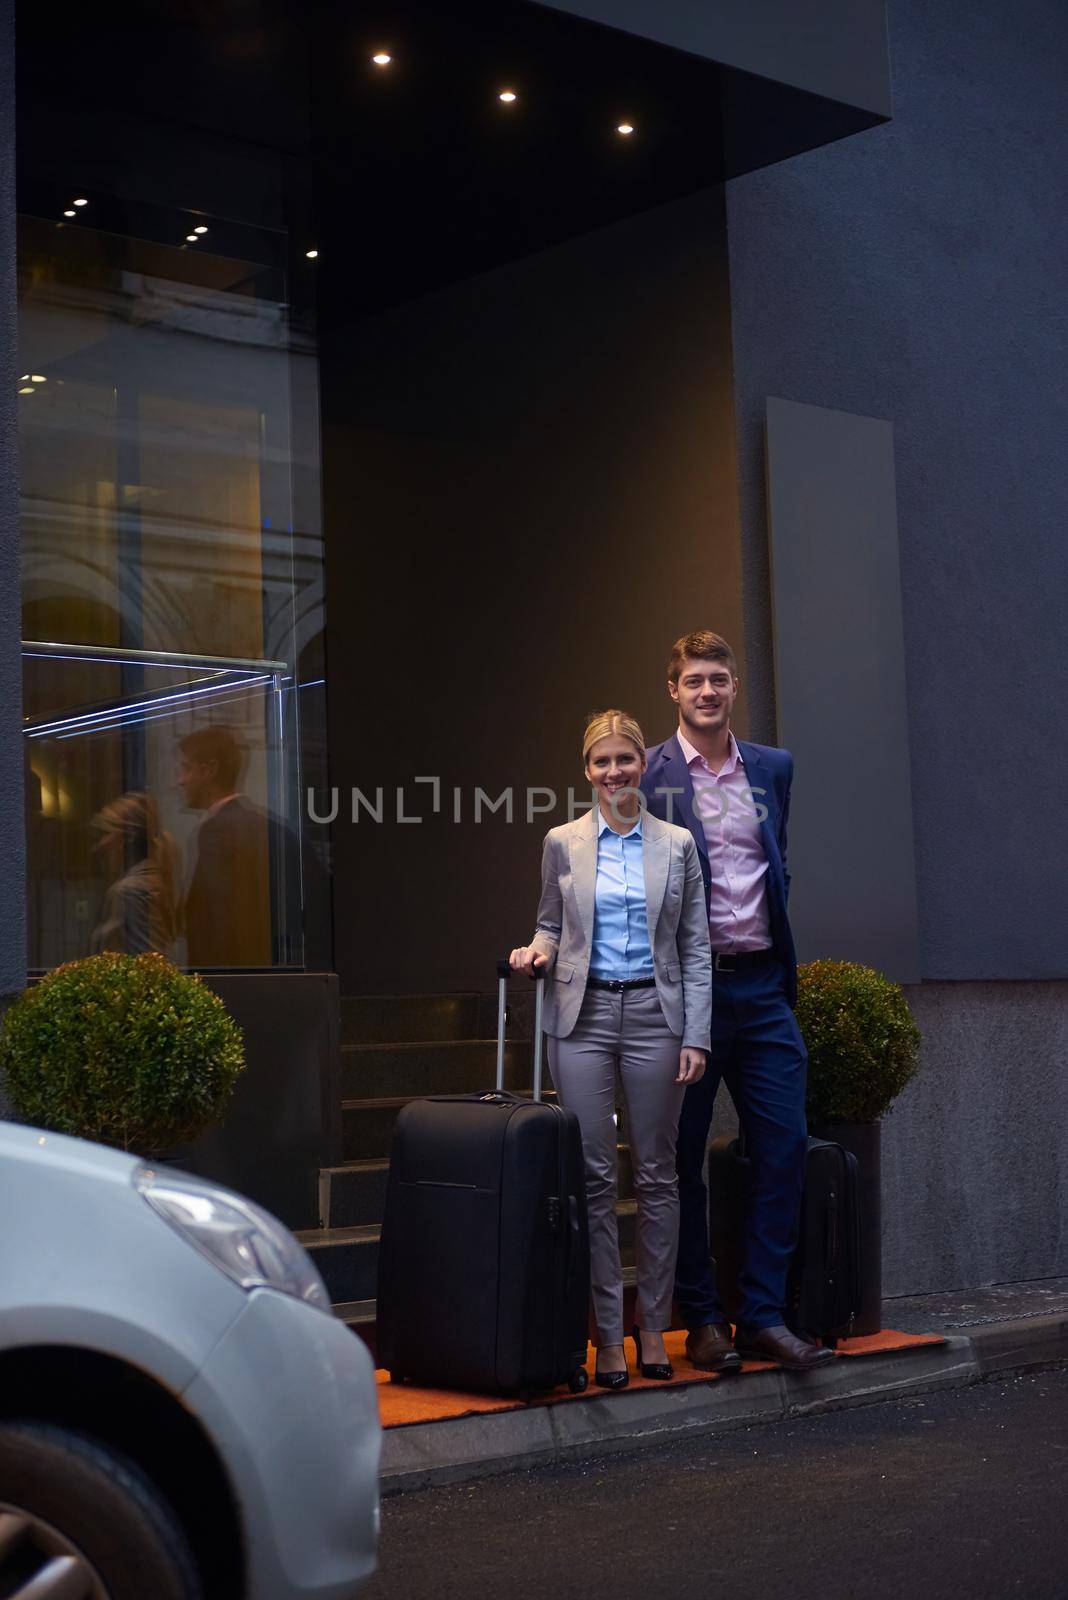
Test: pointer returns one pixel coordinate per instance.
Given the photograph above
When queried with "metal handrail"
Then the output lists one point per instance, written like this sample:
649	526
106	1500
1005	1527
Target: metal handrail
120	653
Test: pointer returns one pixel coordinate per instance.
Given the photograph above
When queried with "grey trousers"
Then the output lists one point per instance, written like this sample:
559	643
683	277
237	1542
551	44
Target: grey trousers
626	1032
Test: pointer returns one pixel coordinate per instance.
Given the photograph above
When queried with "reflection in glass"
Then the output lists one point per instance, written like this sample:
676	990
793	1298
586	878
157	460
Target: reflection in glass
140	909
227	906
195	864
172	597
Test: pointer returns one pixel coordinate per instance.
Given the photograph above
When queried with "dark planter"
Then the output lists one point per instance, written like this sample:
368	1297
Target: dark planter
864	1140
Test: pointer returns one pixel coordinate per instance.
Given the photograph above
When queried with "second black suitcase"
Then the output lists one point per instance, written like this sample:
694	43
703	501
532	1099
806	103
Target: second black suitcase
824	1284
483	1279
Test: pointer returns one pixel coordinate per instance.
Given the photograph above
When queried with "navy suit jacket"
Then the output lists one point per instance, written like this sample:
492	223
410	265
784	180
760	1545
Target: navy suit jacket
770	772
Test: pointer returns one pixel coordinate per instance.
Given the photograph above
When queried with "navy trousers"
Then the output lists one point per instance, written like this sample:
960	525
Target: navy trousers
758	1051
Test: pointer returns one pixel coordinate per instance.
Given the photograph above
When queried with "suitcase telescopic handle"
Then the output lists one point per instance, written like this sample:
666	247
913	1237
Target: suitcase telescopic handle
504	972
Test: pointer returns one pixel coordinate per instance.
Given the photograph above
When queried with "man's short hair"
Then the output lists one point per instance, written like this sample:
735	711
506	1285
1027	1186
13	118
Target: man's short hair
702	645
214	744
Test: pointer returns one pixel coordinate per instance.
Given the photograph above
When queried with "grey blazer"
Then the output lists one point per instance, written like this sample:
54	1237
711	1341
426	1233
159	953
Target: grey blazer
675	908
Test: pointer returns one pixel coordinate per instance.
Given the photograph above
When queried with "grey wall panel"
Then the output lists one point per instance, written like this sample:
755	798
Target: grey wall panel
840	685
835	48
12	861
916	271
284	1121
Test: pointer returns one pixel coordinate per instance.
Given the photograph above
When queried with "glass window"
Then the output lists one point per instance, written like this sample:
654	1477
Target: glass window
172	590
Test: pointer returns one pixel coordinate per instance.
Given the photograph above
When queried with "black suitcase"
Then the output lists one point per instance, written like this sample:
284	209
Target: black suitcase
484	1262
824	1284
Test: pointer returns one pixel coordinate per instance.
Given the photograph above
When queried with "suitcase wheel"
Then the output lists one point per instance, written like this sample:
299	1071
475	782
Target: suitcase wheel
579	1380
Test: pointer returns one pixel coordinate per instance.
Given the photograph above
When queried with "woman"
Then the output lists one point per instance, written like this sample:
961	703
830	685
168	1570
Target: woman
138	858
623	935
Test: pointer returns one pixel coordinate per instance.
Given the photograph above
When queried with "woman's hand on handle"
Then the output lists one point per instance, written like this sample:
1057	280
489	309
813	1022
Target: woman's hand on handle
691	1064
526	958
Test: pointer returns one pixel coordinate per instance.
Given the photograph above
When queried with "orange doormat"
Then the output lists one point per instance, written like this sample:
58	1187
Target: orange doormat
402	1404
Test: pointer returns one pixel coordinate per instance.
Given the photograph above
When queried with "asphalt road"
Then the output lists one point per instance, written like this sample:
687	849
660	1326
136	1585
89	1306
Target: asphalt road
962	1495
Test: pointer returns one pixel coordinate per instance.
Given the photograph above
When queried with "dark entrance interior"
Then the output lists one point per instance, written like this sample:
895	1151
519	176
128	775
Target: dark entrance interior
528	461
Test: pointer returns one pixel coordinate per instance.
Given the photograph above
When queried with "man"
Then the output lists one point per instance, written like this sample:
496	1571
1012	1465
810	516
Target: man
227	908
735	799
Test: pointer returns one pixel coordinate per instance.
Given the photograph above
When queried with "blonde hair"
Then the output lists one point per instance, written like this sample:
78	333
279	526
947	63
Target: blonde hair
602	724
133	817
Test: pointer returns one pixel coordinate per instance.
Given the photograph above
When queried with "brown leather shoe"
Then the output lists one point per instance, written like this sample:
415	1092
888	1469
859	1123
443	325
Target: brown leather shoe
779	1344
711	1349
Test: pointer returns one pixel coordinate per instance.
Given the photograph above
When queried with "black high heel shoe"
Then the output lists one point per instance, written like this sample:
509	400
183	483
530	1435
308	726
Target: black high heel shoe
651	1369
611	1380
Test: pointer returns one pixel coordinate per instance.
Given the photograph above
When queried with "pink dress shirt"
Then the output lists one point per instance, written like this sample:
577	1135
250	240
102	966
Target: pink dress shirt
737	901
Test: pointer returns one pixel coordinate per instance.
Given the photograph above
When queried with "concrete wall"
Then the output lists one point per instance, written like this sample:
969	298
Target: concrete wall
12	864
529	492
975	1166
916	272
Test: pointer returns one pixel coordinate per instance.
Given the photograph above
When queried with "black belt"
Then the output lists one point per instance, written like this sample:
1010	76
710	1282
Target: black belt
736	960
617	985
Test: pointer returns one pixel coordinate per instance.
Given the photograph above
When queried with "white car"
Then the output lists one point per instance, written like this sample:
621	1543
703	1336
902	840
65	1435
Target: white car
181	1415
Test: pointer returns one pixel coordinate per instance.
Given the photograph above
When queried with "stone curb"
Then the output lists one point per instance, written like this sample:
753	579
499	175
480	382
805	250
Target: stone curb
1015	1346
466	1448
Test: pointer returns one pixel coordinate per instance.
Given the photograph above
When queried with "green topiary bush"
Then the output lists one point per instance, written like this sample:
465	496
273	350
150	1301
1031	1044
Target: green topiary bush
862	1042
123	1049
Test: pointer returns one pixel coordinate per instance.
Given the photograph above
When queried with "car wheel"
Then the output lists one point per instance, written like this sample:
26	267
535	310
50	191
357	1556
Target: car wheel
79	1521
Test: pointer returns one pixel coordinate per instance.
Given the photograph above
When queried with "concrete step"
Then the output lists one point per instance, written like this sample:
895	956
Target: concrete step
355	1313
411	1018
367	1127
452	1066
359	1316
420	1018
519	1018
353	1195
347	1258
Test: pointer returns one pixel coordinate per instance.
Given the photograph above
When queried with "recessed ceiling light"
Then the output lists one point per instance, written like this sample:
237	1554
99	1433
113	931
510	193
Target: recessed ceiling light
382	59
625	128
29	390
191	238
312	255
80	202
201	229
508	95
36	378
70	213
25	378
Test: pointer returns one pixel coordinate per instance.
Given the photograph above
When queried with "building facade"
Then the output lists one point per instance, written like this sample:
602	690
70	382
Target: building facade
373	419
